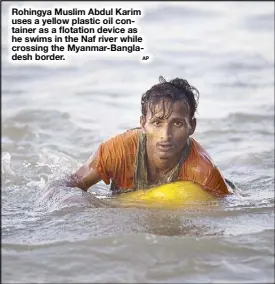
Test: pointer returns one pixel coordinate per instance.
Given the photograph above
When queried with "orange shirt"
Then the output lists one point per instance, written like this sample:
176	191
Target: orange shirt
116	161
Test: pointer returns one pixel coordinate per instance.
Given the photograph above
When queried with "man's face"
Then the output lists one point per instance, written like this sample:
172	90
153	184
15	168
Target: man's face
166	137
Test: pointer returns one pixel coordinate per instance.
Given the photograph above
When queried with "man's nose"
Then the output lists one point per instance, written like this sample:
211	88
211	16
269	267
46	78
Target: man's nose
166	133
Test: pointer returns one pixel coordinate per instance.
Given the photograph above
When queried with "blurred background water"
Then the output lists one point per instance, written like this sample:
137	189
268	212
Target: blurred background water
54	118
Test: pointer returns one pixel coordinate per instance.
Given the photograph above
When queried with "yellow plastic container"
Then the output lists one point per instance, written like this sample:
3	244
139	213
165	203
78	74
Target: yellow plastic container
170	195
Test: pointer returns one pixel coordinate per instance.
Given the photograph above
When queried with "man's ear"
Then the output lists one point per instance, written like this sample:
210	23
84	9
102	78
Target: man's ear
193	126
142	123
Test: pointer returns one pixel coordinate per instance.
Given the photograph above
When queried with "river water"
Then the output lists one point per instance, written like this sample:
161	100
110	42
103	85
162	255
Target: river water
54	118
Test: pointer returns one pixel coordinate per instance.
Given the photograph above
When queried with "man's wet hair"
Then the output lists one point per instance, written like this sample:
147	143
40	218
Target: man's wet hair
175	90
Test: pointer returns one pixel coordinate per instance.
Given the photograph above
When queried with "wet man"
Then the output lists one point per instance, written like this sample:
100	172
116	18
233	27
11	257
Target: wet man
160	151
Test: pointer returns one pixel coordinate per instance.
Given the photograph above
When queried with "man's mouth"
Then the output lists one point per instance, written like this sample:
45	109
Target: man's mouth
164	147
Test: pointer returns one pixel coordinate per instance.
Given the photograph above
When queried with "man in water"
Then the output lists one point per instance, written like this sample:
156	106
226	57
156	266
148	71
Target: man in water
160	151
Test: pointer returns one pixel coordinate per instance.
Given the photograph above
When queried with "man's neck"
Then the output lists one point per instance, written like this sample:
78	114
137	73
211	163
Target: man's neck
157	167
160	165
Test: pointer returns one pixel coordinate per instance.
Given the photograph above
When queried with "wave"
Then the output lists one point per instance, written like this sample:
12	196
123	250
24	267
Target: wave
251	117
260	22
137	238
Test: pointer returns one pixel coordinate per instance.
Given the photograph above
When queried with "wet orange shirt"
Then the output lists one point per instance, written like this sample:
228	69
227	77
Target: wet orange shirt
116	161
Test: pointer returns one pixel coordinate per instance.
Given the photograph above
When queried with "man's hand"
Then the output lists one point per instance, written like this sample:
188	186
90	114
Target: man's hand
86	175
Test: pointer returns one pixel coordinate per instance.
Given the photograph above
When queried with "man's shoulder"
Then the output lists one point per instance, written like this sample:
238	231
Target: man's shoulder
200	156
130	134
200	168
128	137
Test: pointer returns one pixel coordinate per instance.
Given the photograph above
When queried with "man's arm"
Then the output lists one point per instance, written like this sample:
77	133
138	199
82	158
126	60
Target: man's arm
86	175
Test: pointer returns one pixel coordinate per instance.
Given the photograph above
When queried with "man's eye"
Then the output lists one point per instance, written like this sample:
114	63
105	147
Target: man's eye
156	123
178	123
